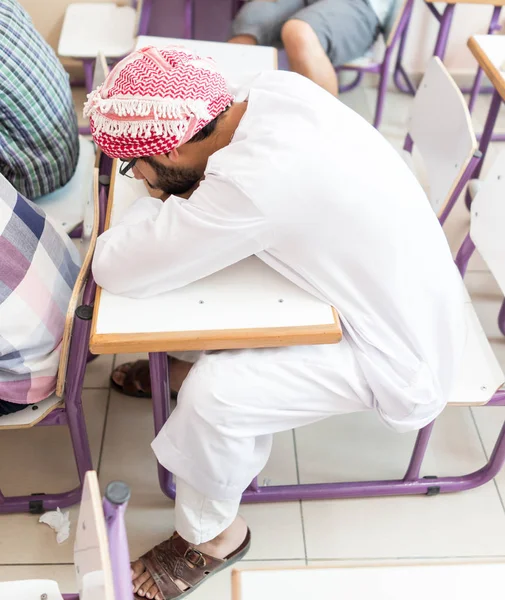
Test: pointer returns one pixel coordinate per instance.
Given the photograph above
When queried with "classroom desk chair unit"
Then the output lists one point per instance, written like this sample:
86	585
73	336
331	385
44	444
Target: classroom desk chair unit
65	406
173	328
101	556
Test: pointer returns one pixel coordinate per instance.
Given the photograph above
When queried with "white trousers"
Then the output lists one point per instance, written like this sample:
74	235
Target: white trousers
219	437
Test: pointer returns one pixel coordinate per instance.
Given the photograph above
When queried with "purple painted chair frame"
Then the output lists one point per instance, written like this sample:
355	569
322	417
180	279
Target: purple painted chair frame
470	170
114	508
383	68
71	414
410	484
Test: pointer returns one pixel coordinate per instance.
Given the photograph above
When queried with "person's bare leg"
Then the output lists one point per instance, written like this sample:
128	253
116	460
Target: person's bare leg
179	370
220	547
306	55
249	40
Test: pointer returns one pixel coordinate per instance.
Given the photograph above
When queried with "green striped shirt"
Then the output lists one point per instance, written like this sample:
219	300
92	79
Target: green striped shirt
39	144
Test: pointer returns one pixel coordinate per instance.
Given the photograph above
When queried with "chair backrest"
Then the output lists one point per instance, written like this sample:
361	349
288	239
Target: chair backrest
101	70
398	9
91	549
442	132
488	220
88	241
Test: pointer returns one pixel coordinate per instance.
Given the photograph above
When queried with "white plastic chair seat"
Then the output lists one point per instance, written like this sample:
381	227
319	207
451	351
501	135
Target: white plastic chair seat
92	27
66	205
480	373
30	590
363	62
30	416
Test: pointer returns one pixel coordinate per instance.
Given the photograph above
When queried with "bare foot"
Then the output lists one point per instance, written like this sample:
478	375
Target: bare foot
220	547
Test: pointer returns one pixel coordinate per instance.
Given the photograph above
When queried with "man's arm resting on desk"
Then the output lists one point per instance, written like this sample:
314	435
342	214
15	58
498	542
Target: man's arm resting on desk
160	246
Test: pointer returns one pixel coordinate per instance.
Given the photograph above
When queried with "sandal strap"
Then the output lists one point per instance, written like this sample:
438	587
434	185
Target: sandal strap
138	372
175	559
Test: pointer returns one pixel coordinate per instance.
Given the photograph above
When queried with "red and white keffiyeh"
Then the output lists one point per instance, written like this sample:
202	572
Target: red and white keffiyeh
155	100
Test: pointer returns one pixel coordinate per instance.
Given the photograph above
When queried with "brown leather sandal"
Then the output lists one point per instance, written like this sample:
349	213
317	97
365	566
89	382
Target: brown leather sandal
137	381
175	559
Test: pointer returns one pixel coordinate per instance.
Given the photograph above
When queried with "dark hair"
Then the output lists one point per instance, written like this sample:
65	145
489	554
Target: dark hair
208	130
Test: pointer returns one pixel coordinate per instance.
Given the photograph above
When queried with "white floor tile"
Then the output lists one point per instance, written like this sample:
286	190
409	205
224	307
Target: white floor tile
41	460
150	514
399	526
396	113
219	586
358	101
127	456
98	372
489	421
487	299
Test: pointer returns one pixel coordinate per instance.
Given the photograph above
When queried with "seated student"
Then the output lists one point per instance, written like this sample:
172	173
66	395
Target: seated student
318	35
296	178
39	144
38	268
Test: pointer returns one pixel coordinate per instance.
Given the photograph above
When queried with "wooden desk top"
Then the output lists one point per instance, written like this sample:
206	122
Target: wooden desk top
489	51
465	581
488	2
247	305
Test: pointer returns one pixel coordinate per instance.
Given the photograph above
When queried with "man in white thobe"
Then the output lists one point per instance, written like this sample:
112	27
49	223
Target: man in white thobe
291	175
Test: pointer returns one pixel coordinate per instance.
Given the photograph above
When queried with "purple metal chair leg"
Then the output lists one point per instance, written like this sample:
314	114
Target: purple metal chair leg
488	129
501	318
445	20
160	389
382	89
406	86
494	26
145	17
464	254
71	415
467	175
115	502
189	19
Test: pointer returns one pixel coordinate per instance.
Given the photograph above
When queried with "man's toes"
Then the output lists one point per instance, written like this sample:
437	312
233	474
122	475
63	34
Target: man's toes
140	583
119	374
146	586
137	568
152	592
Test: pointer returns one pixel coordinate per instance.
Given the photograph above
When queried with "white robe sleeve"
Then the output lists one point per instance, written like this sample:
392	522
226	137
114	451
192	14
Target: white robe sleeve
160	246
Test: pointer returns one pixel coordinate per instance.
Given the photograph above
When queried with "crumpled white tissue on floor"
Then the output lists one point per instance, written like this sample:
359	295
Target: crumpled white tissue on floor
59	522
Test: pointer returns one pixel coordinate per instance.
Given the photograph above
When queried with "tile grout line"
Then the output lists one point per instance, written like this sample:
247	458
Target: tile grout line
401	558
502	502
106	419
67	564
300	502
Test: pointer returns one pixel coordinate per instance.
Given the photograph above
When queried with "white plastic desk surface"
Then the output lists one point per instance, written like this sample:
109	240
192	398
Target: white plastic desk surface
438	582
489	51
247	305
90	27
237	61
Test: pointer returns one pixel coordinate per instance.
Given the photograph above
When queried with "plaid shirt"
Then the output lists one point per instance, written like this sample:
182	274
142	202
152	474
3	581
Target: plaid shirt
39	144
38	269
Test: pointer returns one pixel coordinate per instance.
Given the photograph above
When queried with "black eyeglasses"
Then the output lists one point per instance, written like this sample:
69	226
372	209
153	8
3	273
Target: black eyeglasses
127	166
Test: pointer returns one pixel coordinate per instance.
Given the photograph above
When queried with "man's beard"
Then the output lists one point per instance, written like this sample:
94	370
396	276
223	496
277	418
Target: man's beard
175	180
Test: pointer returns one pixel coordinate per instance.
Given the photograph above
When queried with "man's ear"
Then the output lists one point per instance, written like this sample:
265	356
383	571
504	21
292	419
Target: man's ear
174	155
